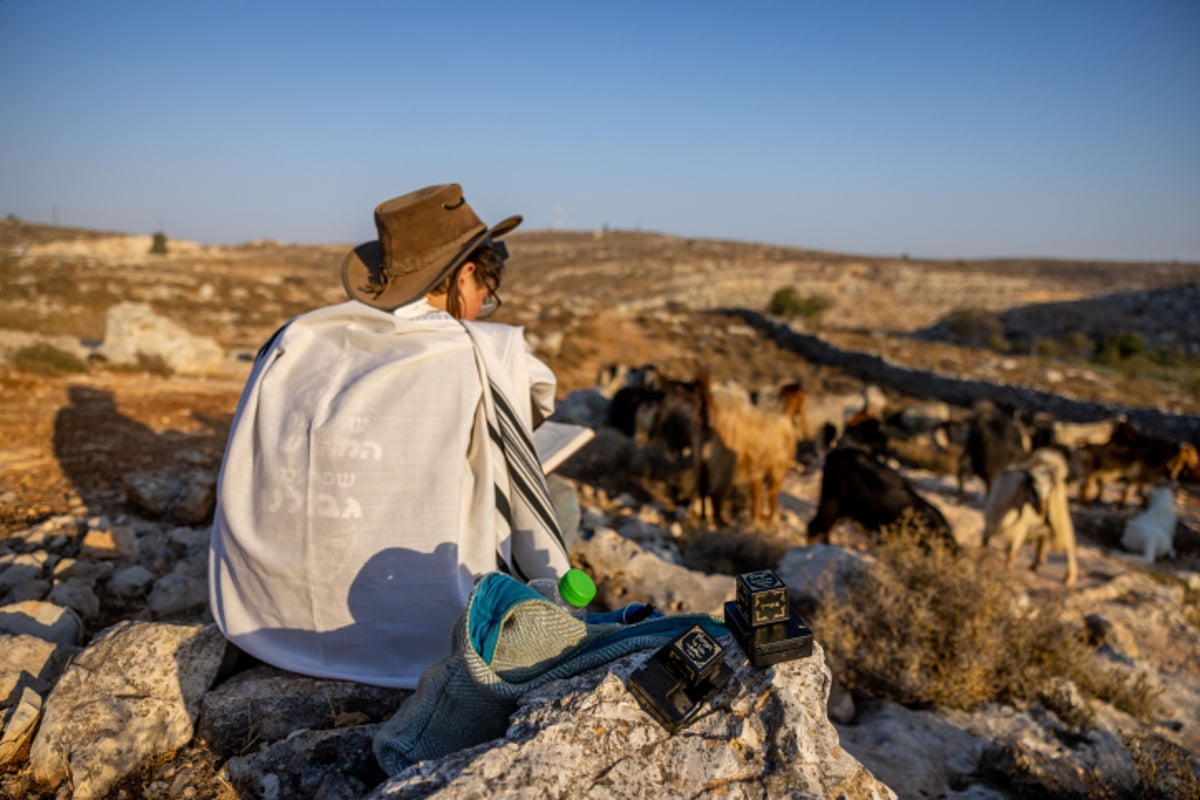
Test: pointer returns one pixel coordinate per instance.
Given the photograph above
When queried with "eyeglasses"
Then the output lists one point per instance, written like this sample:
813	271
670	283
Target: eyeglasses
491	303
490	306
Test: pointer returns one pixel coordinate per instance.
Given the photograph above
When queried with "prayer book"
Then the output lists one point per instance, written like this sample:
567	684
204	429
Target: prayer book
555	442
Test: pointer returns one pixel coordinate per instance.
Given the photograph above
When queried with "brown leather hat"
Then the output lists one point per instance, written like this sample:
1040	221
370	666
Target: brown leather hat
423	235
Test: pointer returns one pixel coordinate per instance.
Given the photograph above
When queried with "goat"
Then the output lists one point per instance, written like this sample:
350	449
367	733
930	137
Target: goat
920	417
828	414
855	484
654	407
1152	532
761	444
994	441
1135	459
612	377
631	411
1077	434
1026	500
776	398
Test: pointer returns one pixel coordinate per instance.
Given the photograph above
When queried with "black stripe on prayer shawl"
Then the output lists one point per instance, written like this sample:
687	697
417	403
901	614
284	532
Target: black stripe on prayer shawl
502	506
505	513
525	472
269	343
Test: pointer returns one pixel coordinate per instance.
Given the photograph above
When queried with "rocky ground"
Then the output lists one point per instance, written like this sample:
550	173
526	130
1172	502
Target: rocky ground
106	471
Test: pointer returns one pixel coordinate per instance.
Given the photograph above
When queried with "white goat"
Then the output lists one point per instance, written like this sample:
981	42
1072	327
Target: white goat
1076	434
1030	500
1152	532
828	413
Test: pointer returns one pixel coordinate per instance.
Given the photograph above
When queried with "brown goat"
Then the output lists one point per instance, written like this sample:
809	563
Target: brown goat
761	444
1136	460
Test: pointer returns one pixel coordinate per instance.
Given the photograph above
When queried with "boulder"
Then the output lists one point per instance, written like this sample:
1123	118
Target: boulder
134	333
78	594
20	569
113	543
177	594
197	499
28	662
806	569
131	582
152	491
132	694
764	735
331	765
187	498
627	573
265	704
20	721
46	621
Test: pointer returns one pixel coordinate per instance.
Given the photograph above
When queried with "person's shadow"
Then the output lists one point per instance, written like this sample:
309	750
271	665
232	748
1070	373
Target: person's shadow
382	624
97	446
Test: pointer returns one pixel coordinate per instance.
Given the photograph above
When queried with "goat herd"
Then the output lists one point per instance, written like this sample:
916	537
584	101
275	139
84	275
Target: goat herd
740	445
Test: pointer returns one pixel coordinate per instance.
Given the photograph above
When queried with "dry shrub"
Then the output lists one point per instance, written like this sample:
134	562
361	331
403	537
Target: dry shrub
46	359
923	627
734	550
1164	768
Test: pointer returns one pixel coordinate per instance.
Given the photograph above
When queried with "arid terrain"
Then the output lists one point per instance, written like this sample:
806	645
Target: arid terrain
73	427
585	299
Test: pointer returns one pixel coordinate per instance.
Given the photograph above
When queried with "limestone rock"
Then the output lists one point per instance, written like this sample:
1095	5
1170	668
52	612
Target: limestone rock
331	765
19	569
627	574
131	582
115	543
176	594
265	704
197	499
806	569
29	590
134	693
46	621
28	662
19	724
78	594
765	735
187	498
916	753
133	331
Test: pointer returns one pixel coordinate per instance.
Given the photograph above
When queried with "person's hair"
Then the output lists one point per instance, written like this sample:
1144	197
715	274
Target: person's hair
489	267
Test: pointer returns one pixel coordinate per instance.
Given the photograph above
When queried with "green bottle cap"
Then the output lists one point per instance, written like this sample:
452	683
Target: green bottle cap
577	587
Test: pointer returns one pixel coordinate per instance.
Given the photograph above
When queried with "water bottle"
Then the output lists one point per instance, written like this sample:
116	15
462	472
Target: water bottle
572	592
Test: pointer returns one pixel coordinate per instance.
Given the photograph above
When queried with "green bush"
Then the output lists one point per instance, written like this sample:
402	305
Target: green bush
158	247
788	302
1047	349
975	326
926	627
1075	344
46	359
1120	346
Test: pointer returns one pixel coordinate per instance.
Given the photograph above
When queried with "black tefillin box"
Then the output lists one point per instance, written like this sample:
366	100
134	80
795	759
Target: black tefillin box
763	623
674	682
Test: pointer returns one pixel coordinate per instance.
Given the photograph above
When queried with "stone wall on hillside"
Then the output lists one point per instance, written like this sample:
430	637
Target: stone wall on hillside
966	392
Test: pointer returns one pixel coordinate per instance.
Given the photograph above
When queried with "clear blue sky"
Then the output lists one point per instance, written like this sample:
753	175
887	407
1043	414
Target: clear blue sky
965	128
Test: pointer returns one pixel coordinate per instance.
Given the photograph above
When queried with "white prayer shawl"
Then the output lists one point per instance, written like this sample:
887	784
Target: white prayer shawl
356	504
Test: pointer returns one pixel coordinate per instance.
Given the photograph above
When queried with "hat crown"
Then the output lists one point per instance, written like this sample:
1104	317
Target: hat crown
421	224
423	235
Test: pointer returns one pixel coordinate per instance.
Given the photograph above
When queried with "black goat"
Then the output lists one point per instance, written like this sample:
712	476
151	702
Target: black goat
857	485
994	442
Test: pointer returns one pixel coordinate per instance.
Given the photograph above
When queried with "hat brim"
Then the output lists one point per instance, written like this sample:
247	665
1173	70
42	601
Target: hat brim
362	265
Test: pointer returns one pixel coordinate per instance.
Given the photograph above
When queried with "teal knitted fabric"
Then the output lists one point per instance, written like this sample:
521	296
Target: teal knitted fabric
509	641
